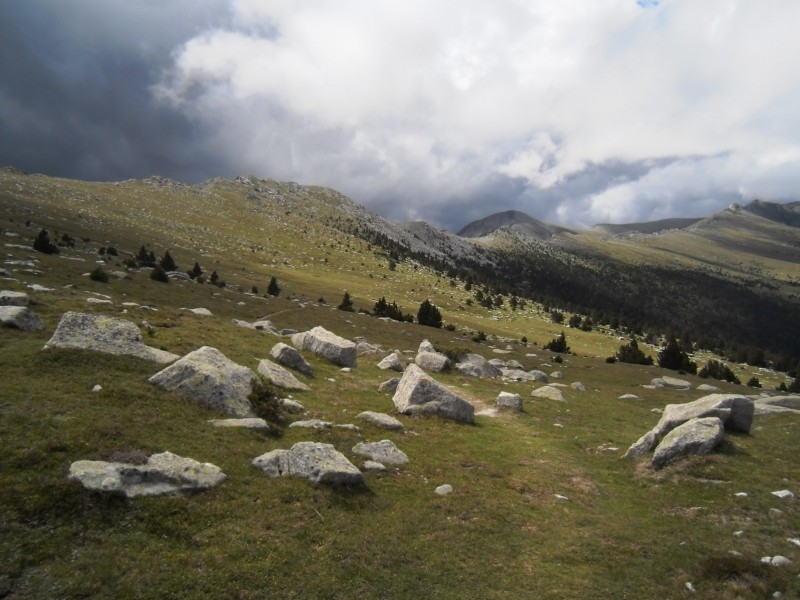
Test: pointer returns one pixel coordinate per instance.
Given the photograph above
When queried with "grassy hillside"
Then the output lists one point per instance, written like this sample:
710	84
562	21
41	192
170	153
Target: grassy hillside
620	531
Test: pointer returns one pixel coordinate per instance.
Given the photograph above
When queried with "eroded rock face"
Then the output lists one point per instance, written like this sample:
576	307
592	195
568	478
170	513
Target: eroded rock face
419	393
20	317
164	473
211	379
384	452
291	358
694	437
330	346
319	463
102	333
476	365
280	377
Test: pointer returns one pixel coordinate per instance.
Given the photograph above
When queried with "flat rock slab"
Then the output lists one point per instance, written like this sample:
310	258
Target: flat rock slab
164	473
384	452
317	462
694	437
101	333
311	424
209	378
280	377
20	317
289	357
419	393
381	420
247	423
11	298
550	392
670	382
330	346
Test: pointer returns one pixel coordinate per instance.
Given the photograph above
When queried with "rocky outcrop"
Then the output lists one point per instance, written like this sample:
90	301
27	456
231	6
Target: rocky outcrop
384	452
102	333
381	420
393	362
330	346
20	317
164	473
735	412
319	463
280	377
476	365
291	358
418	393
694	437
209	378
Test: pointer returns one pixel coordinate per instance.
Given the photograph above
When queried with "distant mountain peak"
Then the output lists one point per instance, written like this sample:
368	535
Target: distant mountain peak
515	220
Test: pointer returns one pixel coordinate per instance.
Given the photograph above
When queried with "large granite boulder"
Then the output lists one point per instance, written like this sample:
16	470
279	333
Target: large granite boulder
476	365
432	361
381	420
694	437
735	412
102	333
164	473
384	452
291	358
393	362
280	377
419	393
20	317
209	378
317	462
330	346
509	401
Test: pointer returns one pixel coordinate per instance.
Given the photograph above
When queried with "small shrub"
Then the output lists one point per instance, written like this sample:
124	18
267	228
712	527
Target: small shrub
673	357
753	382
112	251
346	304
159	274
167	263
196	271
99	274
456	355
556	316
611	360
479	336
450	327
717	370
429	315
630	353
557	344
43	244
265	401
557	359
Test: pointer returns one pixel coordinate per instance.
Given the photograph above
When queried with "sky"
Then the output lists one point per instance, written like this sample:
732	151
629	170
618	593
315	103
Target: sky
576	112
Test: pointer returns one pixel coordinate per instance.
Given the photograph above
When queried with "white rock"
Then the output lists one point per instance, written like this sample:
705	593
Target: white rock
319	463
392	362
291	358
445	489
20	317
330	346
510	401
417	392
384	452
696	436
311	424
549	392
97	388
280	377
783	494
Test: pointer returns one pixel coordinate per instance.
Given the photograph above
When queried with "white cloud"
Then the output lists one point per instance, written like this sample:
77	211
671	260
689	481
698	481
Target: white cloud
426	101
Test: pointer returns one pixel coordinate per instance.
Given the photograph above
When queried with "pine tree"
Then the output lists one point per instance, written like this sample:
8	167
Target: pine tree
429	315
167	263
43	244
558	344
630	353
195	272
672	357
159	274
346	304
273	289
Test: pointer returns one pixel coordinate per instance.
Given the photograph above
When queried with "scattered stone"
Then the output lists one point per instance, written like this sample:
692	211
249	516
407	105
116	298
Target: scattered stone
20	317
783	494
243	324
247	423
164	473
432	361
280	377
628	397
292	406
776	561
35	287
560	497
513	364
426	346
510	401
365	348
349	427
390	385
418	393
557	375
371	465
11	298
690	587
264	325
381	420
102	333
670	382
501	364
290	357
97	388
476	365
578	386
328	345
519	375
209	378
384	452
319	463
445	489
98	301
775	404
794	541
393	362
121	275
706	387
549	392
311	424
741	494
200	312
695	437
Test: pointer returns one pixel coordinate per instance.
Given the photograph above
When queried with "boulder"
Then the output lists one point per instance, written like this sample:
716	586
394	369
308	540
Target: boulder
209	378
319	463
519	375
393	362
328	345
11	298
381	420
201	312
280	377
384	452
577	386
102	333
291	358
292	406
476	365
694	437
251	423
510	401
432	361
549	392
735	412
705	387
556	375
500	363
514	364
164	473
243	324
788	402
311	424
366	348
417	392
426	346
390	385
670	382
20	317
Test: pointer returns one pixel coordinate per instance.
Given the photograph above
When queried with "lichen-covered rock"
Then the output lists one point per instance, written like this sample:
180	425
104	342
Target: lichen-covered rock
432	361
20	317
694	437
509	401
330	346
549	392
476	365
319	463
280	377
380	420
393	362
164	473
291	358
102	333
209	378
384	452
419	393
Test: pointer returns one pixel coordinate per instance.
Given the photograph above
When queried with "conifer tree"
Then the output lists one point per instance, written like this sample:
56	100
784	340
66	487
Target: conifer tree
429	315
273	289
346	304
43	244
167	263
672	357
